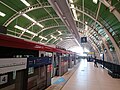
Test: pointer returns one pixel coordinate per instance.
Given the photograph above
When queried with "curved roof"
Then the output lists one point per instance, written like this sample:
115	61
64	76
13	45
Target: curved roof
42	21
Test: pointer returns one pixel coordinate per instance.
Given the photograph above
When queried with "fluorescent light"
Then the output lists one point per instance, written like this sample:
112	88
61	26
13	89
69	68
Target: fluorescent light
74	11
40	25
25	30
25	2
86	26
2	14
25	15
31	33
95	1
42	37
28	17
59	32
61	39
20	28
53	36
71	1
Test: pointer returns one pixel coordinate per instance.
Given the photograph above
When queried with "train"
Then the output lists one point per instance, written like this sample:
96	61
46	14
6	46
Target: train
28	65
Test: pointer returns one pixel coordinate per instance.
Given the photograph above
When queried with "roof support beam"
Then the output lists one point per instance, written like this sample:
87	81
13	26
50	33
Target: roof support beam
63	11
117	49
44	29
28	27
93	44
112	9
47	12
100	38
51	34
28	9
67	43
52	38
8	7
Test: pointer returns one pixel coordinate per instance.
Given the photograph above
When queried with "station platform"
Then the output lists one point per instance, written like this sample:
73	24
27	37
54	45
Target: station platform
88	77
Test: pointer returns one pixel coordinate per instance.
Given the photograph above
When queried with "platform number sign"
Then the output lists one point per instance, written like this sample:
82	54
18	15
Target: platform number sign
3	79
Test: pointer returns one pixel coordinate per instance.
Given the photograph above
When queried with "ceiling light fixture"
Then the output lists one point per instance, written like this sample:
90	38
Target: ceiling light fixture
25	2
2	14
28	17
95	1
86	26
74	11
61	39
25	30
43	37
53	36
59	32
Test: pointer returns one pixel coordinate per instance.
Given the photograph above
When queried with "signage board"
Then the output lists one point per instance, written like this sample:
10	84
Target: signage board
3	79
83	39
91	53
38	61
12	64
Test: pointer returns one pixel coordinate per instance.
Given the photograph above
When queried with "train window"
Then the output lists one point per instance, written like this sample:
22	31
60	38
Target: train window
48	54
31	70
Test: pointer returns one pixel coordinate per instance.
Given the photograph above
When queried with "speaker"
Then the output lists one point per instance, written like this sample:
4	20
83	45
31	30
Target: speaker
3	30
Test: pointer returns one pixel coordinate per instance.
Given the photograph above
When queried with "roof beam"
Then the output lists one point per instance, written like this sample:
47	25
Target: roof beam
9	7
111	8
63	11
117	49
52	38
47	12
100	38
51	34
28	27
28	9
44	29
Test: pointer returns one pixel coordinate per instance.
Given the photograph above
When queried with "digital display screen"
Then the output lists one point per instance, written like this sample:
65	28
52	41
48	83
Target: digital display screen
83	39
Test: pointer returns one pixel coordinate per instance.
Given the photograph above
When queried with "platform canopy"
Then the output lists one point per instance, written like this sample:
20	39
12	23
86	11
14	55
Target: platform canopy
49	22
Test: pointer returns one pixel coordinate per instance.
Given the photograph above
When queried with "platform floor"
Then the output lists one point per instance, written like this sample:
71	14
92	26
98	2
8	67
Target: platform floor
88	77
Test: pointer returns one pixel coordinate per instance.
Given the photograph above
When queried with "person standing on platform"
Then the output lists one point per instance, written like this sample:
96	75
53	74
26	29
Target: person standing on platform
95	62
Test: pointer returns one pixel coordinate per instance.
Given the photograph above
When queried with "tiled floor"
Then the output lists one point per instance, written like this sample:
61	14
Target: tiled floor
88	77
59	82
